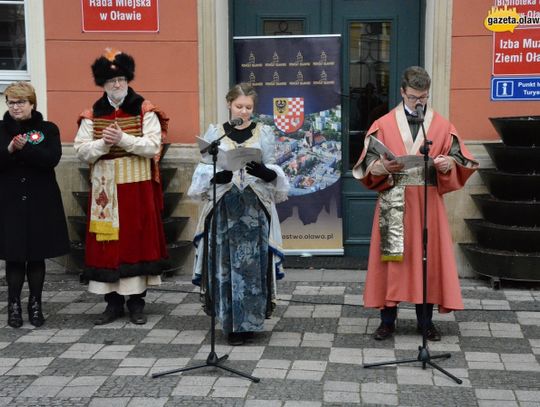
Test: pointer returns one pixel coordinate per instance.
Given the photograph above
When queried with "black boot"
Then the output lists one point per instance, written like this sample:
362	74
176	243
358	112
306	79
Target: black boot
114	309
135	306
15	313
35	315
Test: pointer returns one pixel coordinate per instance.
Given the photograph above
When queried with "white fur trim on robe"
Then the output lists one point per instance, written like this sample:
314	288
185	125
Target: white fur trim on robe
124	286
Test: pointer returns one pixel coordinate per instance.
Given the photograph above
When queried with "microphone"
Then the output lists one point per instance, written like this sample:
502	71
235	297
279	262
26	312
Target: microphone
236	121
419	111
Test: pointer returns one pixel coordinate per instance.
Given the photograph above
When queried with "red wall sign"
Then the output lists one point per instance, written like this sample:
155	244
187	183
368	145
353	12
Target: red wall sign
517	53
120	15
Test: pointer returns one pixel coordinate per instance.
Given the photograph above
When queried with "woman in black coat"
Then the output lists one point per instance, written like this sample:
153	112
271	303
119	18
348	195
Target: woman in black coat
32	222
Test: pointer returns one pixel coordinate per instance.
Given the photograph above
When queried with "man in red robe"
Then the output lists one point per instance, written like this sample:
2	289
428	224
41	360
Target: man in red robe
391	164
120	138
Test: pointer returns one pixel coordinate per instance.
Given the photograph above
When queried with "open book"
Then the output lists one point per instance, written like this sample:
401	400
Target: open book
409	161
232	160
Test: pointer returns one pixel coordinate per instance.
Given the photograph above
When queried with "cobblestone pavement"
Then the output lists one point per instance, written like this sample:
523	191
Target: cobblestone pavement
311	353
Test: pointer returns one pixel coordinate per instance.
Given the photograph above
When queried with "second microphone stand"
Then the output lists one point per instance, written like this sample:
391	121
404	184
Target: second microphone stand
423	352
212	360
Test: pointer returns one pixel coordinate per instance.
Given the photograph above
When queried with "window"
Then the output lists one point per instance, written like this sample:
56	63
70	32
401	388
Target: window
13	41
283	27
369	77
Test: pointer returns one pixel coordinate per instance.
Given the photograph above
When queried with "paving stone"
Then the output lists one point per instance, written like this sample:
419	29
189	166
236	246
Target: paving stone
113	352
147	402
85	367
235	392
341	397
494	394
35	350
290	390
190	337
164	352
528	395
285	339
380	399
346	355
387	388
299	374
426	396
496	345
77	392
109	402
510	379
263	403
136	386
160	336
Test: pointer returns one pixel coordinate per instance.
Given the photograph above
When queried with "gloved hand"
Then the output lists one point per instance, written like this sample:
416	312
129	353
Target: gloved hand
223	177
260	171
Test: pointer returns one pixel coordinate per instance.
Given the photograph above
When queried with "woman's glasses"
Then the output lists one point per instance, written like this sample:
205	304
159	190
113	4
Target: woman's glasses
19	103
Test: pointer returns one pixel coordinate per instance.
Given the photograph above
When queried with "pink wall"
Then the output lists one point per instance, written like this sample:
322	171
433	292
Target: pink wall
166	65
472	55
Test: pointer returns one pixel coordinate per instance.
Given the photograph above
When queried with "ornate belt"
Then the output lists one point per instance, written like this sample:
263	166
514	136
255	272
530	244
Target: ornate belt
392	209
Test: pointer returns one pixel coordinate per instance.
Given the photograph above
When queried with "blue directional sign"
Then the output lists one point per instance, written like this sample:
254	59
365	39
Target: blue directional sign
515	88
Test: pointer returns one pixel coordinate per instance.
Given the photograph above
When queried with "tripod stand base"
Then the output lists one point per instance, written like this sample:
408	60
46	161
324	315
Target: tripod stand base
425	358
211	361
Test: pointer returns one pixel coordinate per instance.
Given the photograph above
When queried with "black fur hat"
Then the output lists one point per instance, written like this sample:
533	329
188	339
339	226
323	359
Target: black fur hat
111	64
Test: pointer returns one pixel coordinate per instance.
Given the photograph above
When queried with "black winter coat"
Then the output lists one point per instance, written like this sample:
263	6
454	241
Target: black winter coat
32	220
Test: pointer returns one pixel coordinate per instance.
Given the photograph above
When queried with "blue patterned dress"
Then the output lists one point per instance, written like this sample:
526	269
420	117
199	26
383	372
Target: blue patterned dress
242	261
248	243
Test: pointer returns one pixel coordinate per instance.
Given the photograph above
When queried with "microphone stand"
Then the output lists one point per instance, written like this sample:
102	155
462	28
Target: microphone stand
423	352
212	360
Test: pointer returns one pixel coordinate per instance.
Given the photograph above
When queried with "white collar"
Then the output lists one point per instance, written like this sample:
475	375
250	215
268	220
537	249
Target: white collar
411	112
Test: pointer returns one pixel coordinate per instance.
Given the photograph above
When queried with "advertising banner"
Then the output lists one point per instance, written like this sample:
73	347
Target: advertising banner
120	15
516	49
298	82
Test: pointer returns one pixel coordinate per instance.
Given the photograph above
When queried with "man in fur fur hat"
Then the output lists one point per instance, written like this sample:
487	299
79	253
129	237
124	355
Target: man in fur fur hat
120	138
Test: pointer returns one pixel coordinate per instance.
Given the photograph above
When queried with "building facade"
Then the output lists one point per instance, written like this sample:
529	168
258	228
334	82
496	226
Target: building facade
187	66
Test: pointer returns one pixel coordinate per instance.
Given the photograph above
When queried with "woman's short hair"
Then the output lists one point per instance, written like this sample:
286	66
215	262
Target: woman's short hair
415	77
241	89
21	90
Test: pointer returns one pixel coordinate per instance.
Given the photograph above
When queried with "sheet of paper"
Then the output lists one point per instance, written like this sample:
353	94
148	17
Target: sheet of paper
232	160
409	161
380	148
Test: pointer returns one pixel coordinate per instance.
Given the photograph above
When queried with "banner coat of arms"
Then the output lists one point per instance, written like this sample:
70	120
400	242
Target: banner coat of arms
289	114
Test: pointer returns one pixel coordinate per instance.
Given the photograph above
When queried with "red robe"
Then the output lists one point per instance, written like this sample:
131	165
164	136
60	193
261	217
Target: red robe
391	282
141	244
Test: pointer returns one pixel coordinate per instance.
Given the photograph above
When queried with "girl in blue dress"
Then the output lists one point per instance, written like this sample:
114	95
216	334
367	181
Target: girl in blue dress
248	238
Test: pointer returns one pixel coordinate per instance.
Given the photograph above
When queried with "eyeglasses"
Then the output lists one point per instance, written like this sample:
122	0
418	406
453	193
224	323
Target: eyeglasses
121	80
414	99
19	103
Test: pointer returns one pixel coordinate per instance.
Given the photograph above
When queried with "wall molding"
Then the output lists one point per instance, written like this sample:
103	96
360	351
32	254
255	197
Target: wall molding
438	52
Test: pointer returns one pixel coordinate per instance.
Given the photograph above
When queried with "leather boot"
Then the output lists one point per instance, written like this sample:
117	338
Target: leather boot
35	315
110	314
15	313
135	306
